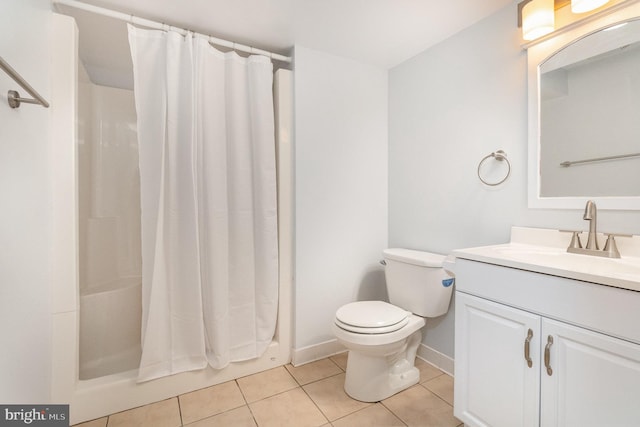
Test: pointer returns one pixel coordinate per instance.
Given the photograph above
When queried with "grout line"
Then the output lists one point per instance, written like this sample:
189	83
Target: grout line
223	412
273	395
292	376
373	404
394	414
331	358
246	402
316	405
255	421
332	361
424	384
319	379
435	394
180	410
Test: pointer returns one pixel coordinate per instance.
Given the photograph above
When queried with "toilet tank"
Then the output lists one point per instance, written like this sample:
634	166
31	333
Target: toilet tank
417	282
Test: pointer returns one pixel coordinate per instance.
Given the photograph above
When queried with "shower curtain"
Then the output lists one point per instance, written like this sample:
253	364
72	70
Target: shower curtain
208	200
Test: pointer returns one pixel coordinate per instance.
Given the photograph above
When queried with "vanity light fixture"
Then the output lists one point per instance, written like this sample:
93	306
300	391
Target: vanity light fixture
537	18
582	6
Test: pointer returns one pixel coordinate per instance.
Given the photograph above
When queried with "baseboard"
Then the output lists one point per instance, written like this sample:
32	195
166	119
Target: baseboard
437	359
300	356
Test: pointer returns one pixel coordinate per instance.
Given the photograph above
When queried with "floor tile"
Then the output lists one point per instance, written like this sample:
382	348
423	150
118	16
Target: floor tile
292	408
239	417
266	384
331	398
427	370
210	401
373	416
165	413
441	386
276	399
314	371
341	360
100	422
417	406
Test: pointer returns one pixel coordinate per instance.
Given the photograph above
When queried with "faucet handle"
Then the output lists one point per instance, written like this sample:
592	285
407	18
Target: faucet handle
575	238
618	235
610	246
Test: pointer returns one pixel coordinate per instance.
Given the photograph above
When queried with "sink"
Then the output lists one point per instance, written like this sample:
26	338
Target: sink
553	259
527	251
559	258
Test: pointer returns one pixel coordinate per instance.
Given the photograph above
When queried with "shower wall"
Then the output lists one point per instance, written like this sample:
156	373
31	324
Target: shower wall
109	230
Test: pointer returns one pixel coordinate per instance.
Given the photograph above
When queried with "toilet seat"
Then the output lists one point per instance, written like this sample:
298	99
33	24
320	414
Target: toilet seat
371	317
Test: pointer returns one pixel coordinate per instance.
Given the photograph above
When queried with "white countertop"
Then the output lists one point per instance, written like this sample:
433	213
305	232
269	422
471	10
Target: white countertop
544	251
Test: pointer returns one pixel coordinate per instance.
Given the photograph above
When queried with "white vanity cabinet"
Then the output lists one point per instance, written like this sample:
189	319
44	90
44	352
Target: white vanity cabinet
493	384
538	350
595	378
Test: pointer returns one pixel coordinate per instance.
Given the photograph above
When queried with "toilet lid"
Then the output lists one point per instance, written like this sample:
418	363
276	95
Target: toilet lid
371	317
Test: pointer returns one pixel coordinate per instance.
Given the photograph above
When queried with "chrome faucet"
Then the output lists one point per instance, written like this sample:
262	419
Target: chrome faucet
591	215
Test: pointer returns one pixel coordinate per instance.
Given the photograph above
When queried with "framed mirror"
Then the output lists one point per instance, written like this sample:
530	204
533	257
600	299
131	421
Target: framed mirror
584	114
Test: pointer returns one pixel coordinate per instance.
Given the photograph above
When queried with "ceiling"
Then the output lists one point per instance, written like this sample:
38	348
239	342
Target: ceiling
383	33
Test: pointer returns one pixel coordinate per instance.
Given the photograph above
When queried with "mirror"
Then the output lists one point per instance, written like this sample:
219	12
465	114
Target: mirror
584	126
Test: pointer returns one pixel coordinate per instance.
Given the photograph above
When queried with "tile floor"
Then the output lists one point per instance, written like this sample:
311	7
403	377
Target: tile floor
309	395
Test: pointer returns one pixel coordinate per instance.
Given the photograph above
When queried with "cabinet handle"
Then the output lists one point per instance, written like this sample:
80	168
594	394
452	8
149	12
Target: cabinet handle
547	355
527	348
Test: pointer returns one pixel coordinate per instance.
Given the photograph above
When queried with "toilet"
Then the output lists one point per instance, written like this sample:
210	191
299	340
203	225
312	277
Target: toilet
383	338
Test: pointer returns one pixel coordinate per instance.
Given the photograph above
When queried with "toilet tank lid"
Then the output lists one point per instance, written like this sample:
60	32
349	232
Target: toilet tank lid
410	256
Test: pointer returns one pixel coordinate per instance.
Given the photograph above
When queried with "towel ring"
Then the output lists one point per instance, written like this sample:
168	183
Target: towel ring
500	156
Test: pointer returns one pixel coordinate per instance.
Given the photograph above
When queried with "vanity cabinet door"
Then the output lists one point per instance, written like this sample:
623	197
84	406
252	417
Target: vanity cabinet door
494	384
594	378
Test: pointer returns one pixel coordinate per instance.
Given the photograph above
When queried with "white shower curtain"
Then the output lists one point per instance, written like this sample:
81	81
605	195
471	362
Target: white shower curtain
208	199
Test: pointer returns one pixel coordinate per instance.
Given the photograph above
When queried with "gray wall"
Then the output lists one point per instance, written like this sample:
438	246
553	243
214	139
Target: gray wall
341	188
448	108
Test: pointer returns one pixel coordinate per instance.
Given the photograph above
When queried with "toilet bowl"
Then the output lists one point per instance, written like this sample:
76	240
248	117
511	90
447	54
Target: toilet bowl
380	361
383	338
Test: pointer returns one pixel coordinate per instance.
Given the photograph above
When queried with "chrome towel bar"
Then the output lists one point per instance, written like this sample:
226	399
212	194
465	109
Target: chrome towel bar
13	97
600	159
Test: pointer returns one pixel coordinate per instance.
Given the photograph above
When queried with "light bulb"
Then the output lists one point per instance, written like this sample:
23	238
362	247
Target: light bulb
537	19
582	6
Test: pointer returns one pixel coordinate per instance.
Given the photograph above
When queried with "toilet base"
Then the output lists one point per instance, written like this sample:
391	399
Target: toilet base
371	378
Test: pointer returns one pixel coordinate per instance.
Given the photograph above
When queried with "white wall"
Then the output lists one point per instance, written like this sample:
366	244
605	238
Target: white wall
26	226
341	188
448	108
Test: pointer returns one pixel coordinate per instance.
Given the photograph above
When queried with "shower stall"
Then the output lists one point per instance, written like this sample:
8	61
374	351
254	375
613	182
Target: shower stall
97	287
109	268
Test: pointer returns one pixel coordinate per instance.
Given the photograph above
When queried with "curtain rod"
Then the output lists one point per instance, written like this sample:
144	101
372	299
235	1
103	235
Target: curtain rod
160	26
